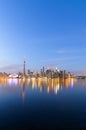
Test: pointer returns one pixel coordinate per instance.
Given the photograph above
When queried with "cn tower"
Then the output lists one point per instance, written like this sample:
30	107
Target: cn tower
24	69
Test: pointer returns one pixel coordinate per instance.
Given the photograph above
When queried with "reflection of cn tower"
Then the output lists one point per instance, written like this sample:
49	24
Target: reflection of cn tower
23	91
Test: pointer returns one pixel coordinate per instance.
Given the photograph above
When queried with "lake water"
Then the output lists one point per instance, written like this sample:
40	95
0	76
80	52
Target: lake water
42	104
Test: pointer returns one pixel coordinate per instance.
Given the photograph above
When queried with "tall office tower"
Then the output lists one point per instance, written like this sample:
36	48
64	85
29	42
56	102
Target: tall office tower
43	71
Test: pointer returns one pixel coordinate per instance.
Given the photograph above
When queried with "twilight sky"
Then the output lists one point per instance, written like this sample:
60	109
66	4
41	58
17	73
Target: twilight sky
46	33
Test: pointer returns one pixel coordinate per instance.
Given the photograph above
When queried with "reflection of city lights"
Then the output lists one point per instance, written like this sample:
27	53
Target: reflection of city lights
40	82
34	82
55	90
48	90
54	84
58	86
29	82
72	83
13	82
33	79
23	94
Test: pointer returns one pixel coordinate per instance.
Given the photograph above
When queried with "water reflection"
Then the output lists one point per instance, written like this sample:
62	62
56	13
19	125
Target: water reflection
12	82
62	109
24	90
47	84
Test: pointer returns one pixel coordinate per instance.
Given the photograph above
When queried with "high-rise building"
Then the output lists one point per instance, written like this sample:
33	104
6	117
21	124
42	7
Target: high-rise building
43	71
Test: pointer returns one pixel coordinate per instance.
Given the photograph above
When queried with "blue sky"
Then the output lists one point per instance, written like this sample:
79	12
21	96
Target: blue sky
44	32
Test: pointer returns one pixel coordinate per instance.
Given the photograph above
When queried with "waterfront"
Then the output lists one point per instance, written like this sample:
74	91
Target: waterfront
42	104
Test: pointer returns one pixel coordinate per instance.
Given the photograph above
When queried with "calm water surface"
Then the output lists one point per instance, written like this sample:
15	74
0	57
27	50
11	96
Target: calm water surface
42	104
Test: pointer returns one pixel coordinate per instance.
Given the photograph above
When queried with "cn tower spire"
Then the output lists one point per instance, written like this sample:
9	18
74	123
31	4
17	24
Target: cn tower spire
24	68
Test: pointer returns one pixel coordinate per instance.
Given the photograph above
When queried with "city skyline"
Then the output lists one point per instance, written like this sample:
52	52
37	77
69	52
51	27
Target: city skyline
46	33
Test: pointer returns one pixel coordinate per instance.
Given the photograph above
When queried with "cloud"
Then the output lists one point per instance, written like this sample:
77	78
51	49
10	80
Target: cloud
70	51
61	59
